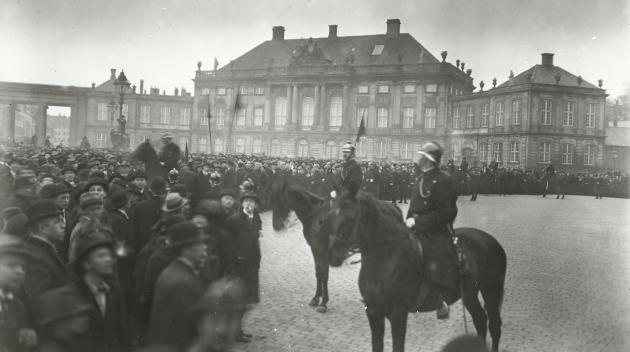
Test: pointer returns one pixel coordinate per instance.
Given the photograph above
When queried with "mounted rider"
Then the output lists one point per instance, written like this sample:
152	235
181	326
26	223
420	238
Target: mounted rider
351	175
431	214
170	154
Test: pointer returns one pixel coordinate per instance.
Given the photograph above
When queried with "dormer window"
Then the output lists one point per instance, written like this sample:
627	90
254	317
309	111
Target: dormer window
378	49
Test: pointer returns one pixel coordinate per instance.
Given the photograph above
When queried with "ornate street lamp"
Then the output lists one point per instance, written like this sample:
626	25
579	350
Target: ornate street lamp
121	86
614	157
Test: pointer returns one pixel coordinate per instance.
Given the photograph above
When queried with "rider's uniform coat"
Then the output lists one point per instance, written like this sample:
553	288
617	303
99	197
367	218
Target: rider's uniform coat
351	177
170	156
433	206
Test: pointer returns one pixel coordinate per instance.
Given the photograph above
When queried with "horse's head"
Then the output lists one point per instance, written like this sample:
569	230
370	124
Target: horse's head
345	218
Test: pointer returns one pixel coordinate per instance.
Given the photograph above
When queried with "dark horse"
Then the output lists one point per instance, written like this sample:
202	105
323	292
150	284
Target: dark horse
391	273
313	212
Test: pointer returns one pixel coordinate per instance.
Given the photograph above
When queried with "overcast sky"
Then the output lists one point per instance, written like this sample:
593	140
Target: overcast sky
76	42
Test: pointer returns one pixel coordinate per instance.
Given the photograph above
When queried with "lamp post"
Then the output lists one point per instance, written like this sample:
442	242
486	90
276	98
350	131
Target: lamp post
614	157
121	86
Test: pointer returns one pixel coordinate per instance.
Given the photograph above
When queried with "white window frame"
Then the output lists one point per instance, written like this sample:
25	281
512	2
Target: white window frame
470	116
145	113
205	91
589	154
499	113
259	91
221	91
431	88
102	113
218	145
239	145
382	117
456	117
430	117
331	150
308	111
484	151
203	144
409	88
165	115
485	115
382	149
182	142
203	116
497	152
276	147
280	112
546	111
259	116
241	117
515	152
408	117
362	112
220	118
545	153
567	153
568	114
383	89
363	89
101	140
516	112
256	146
184	116
335	111
589	121
406	151
243	90
302	149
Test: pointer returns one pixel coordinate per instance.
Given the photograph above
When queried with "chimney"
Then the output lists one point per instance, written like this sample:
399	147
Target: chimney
112	74
141	86
93	85
278	33
332	31
176	92
393	28
547	59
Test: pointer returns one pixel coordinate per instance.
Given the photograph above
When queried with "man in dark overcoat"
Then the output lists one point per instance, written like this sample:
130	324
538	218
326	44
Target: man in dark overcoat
432	210
244	228
146	213
178	288
351	175
170	154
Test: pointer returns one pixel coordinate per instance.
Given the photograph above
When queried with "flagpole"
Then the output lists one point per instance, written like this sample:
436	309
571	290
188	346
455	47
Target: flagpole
234	107
209	116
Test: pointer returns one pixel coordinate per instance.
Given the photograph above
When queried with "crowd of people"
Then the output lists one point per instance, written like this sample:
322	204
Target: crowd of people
98	255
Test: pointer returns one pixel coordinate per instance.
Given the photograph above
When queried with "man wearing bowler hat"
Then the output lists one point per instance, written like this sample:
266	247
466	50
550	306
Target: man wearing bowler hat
178	287
46	231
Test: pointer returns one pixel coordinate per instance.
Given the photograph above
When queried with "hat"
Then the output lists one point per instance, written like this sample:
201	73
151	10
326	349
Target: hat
41	210
12	245
60	304
68	168
250	195
96	181
432	151
225	294
167	135
115	175
171	220
173	202
118	199
52	190
23	181
139	174
90	241
348	147
88	199
133	189
157	185
8	213
184	233
209	208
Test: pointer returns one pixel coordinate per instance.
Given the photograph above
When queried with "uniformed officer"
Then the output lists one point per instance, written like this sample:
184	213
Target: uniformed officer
169	157
351	174
431	213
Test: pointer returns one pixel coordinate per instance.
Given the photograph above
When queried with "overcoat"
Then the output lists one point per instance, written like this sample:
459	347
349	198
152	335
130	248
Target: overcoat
244	257
143	217
45	271
433	206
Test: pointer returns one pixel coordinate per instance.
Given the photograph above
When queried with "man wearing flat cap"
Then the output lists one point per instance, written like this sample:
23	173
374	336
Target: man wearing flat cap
46	231
431	214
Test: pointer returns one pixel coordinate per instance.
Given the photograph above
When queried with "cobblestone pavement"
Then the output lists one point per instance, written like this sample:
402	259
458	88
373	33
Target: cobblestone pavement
567	286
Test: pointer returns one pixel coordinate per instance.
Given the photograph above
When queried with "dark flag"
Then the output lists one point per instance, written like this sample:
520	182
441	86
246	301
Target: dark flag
235	111
186	151
209	117
361	131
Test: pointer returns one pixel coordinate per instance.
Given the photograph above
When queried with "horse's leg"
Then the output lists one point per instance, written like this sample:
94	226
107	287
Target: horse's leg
493	298
398	320
377	327
323	278
318	290
472	304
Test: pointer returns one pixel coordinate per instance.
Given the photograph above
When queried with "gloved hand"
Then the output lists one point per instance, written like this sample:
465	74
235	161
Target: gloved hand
410	222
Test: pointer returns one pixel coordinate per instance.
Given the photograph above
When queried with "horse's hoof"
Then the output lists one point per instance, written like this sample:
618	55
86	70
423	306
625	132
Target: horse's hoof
314	302
322	309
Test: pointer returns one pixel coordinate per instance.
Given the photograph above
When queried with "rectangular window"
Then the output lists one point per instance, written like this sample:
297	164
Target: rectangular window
567	115
499	113
257	146
184	116
145	114
183	141
485	115
102	112
259	91
165	115
470	116
259	114
241	115
546	109
409	88
203	116
431	88
125	111
497	152
545	153
205	91
515	155
406	151
362	113
218	145
589	154
220	116
243	90
516	112
378	49
590	116
430	115
483	152
240	145
567	154
383	89
221	91
363	89
383	116
455	151
203	145
456	117
101	139
408	117
382	149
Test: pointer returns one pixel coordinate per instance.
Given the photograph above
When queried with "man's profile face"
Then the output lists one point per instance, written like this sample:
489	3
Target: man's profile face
346	155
